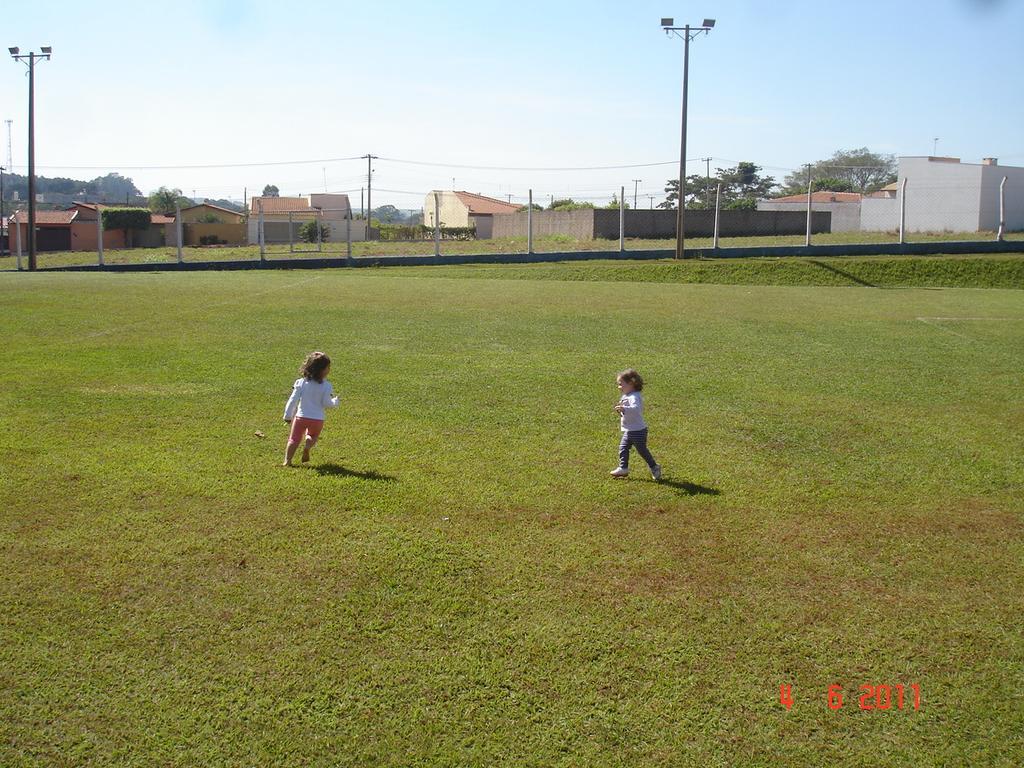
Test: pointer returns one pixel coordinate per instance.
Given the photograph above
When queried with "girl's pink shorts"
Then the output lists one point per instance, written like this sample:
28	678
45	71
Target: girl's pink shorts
301	426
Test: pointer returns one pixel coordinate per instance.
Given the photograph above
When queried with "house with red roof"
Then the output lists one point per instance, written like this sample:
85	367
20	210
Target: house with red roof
844	207
279	214
466	209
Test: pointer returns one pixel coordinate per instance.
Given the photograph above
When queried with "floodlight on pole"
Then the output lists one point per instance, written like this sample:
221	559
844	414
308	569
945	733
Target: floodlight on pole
29	60
688	33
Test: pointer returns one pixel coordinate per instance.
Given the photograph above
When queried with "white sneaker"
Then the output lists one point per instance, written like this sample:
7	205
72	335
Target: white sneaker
619	472
656	472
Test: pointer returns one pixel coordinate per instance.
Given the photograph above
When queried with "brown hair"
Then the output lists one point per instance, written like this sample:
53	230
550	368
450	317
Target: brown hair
630	376
315	366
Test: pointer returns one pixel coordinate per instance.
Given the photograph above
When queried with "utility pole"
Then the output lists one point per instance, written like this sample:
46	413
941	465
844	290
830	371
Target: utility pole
3	243
10	157
31	64
369	194
636	184
688	33
707	187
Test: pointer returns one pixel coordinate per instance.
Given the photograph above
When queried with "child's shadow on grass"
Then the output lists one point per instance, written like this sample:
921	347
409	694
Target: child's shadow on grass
690	489
331	469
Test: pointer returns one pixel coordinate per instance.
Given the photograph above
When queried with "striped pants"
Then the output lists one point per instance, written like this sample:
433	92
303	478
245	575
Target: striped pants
635	438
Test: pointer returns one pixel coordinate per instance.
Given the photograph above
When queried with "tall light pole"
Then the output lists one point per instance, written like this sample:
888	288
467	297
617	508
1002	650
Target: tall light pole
636	186
688	34
29	60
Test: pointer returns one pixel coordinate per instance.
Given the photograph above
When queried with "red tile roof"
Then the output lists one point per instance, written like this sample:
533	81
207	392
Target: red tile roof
279	204
480	204
819	197
46	217
159	218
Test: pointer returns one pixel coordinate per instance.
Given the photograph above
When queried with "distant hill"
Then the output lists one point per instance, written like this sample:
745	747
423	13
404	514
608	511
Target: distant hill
112	188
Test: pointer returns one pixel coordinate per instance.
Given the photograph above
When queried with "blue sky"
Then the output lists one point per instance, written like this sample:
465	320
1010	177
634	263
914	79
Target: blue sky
517	85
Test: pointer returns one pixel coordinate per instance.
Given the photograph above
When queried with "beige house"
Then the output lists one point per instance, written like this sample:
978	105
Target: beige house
279	212
197	213
465	209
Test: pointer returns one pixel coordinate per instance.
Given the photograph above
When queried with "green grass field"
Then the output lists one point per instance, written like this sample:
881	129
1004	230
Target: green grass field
455	580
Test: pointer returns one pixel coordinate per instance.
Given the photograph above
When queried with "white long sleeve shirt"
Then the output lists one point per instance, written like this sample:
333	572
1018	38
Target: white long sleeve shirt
632	412
309	400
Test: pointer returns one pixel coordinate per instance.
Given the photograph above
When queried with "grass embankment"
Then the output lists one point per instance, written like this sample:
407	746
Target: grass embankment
547	244
882	272
456	580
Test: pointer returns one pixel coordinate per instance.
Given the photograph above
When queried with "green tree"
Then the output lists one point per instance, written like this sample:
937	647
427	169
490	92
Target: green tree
128	219
831	184
535	207
742	186
387	214
863	170
615	202
271	190
568	204
308	231
164	201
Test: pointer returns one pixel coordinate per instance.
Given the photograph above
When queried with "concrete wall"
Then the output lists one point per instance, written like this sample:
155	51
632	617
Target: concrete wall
604	223
153	237
275	229
941	196
879	214
577	224
453	211
845	216
991	176
357	227
484	224
83	236
234	234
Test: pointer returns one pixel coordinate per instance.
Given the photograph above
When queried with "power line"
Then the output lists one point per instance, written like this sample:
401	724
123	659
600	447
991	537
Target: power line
526	168
197	167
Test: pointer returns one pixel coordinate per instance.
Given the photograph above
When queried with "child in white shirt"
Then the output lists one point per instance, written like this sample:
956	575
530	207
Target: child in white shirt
311	395
634	429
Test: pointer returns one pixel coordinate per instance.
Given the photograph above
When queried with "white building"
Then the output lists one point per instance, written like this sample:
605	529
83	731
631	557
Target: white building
945	195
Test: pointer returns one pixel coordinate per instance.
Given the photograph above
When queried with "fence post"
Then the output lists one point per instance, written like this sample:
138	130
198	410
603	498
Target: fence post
259	231
807	240
718	208
903	211
319	231
437	225
348	238
291	236
177	229
99	235
17	238
529	224
622	219
1002	210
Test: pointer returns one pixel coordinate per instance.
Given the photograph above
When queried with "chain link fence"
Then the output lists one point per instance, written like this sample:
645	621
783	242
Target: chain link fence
930	200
